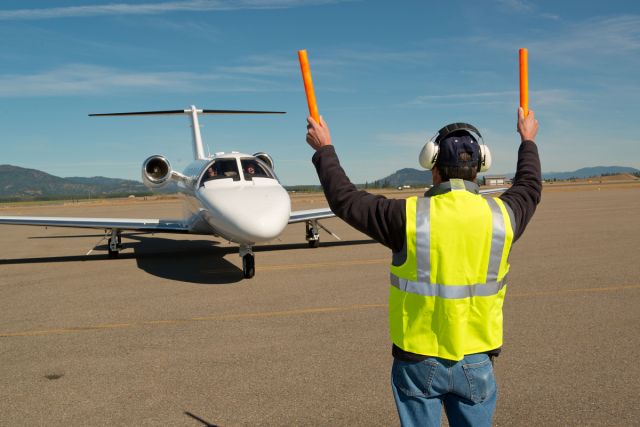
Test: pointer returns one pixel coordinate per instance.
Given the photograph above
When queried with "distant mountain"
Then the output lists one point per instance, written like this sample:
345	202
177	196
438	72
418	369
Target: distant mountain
415	177
406	176
591	172
18	183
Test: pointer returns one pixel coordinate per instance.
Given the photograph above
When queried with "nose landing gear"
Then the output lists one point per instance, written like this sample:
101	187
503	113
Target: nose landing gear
248	262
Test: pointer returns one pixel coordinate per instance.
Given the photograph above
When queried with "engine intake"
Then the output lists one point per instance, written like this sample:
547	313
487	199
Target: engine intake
156	171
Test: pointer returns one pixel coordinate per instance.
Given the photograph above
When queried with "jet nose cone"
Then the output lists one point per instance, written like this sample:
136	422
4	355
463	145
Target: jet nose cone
248	214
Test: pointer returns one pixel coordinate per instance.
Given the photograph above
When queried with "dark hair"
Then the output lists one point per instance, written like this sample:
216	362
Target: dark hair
467	172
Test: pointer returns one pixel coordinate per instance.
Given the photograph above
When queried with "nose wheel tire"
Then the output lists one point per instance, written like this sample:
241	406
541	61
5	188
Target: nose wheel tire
314	243
248	266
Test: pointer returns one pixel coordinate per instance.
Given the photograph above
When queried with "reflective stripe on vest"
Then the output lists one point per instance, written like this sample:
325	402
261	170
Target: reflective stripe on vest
423	285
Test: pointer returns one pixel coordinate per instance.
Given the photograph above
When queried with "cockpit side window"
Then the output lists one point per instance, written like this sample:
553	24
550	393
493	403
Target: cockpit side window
220	169
254	168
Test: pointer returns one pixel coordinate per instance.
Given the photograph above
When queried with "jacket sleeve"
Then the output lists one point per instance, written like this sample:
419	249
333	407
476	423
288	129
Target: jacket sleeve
376	216
524	195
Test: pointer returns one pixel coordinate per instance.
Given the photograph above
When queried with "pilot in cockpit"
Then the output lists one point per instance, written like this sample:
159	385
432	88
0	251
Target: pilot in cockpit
210	174
252	169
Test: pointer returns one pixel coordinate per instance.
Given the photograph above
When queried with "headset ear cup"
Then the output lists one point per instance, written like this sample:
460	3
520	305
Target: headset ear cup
485	159
429	155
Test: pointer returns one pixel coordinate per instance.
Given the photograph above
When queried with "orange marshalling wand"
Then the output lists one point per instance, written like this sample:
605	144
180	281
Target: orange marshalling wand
524	80
308	85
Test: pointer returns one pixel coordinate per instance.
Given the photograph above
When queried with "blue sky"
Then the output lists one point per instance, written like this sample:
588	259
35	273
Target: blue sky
387	76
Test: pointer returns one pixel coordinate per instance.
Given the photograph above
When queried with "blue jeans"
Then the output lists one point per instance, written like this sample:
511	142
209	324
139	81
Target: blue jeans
466	388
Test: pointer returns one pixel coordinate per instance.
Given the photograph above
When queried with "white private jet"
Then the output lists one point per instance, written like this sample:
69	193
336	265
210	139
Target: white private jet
232	195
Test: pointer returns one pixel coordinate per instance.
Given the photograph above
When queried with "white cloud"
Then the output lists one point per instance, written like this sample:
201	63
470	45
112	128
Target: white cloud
262	65
550	16
80	79
517	5
546	97
581	42
155	8
257	73
330	64
465	98
86	79
553	97
355	55
406	139
603	36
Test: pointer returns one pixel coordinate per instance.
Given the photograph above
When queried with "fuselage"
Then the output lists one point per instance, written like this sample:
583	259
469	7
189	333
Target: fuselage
236	196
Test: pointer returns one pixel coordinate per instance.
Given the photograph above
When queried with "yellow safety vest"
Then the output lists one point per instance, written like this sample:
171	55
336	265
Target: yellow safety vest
446	298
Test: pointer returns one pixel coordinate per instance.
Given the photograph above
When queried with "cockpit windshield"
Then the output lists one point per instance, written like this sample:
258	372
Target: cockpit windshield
255	168
221	169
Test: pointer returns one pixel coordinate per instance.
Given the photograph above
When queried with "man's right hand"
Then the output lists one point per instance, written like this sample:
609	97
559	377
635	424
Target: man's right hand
527	126
317	133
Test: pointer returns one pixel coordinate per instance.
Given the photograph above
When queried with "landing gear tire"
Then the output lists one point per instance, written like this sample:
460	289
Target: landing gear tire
248	266
312	236
114	244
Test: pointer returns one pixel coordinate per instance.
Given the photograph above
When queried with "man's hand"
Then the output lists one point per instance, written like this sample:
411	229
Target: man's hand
527	126
317	134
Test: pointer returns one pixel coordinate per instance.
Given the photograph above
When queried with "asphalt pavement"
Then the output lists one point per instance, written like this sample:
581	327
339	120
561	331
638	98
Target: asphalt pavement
170	333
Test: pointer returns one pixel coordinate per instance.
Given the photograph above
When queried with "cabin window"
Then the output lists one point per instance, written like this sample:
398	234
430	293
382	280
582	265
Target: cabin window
221	169
254	168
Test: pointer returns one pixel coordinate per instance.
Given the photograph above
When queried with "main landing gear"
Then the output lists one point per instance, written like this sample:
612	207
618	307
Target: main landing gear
312	234
313	227
248	261
115	243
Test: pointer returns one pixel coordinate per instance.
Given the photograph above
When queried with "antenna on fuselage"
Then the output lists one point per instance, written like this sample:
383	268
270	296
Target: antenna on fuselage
198	150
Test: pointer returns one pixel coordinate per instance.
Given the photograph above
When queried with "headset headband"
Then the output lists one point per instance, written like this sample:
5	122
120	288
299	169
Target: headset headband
453	127
429	154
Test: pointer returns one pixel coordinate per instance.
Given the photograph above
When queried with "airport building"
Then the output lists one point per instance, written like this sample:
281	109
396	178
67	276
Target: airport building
496	180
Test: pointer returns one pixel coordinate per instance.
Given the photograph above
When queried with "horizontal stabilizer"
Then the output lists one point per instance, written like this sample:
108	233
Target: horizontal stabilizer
140	113
170	112
241	112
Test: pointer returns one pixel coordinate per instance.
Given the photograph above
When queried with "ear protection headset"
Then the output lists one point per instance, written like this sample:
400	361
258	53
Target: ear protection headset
429	154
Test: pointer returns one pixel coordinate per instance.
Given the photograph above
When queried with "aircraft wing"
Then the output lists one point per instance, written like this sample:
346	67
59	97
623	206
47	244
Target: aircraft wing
149	225
492	190
310	214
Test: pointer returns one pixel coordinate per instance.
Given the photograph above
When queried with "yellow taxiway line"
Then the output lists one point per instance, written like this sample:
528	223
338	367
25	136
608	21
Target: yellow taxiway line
284	313
219	317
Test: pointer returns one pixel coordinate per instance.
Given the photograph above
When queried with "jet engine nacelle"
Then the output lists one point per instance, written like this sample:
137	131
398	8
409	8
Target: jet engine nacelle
156	171
265	158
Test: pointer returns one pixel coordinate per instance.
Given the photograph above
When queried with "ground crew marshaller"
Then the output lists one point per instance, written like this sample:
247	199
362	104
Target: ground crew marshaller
449	267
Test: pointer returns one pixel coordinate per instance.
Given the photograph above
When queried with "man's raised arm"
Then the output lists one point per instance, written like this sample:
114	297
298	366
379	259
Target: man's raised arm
378	217
524	195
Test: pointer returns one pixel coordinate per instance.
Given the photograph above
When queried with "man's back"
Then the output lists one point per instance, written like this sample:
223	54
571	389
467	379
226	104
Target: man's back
448	271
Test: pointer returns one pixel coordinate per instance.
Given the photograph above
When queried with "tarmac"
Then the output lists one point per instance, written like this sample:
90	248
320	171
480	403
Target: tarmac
170	334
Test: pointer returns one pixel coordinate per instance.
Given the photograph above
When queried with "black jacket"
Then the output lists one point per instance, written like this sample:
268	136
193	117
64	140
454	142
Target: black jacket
384	219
